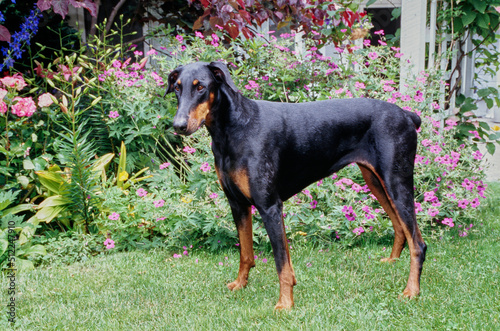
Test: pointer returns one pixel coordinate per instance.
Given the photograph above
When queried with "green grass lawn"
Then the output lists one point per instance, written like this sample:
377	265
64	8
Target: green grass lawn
338	288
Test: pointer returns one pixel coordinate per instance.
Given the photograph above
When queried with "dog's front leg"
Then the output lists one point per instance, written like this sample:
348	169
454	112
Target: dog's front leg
243	219
272	217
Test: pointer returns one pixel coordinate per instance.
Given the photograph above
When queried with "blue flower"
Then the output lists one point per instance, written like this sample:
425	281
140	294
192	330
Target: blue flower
2	18
28	29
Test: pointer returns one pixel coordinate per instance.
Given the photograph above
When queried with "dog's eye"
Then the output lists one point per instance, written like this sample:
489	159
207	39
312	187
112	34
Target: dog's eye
200	87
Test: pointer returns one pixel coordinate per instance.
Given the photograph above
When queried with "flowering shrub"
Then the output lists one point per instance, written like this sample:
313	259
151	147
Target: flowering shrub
449	177
181	202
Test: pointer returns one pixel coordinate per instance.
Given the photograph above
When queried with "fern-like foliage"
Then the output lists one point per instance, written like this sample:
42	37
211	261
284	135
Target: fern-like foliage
96	119
76	154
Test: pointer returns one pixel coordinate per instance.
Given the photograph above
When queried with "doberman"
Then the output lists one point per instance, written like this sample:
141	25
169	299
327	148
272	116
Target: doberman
265	152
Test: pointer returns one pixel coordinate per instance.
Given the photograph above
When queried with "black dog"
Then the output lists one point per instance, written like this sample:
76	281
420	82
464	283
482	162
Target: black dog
265	152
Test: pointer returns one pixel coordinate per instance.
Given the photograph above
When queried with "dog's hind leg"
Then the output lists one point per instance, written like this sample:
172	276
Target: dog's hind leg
243	219
376	187
395	193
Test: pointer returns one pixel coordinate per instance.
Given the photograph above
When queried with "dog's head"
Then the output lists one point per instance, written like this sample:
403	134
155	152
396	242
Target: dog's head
196	86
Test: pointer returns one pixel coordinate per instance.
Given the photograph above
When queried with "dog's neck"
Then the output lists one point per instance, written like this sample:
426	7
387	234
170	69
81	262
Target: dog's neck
230	117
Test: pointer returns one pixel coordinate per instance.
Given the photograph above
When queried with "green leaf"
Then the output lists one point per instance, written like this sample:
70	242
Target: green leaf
468	17
491	148
35	250
483	21
28	164
370	2
19	208
480	6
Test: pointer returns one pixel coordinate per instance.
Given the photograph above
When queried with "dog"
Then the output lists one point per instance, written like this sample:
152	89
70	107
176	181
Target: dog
265	152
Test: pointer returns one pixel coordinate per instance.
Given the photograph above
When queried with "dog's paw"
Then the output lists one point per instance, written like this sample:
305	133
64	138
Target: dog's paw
388	259
236	285
284	305
409	293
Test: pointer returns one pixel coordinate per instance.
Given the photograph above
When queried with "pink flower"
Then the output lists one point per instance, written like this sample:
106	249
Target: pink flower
114	216
359	85
159	203
477	155
3	93
449	222
358	231
138	53
215	40
45	100
356	187
109	243
199	34
380	32
476	134
213	196
141	192
349	213
152	51
463	203
418	207
3	107
165	165
205	167
189	150
475	203
15	81
179	38
432	212
113	114
177	256
373	55
23	107
313	204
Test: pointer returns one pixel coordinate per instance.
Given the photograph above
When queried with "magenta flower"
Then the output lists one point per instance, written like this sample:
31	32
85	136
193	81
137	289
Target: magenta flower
165	165
114	216
141	192
372	55
114	114
314	204
159	203
418	207
449	222
189	150
358	231
199	34
432	212
109	243
379	32
349	213
463	203
213	196
3	107
475	203
205	167
477	155
177	256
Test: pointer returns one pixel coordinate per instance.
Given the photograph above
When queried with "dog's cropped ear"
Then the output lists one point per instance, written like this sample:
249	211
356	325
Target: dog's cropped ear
171	80
221	74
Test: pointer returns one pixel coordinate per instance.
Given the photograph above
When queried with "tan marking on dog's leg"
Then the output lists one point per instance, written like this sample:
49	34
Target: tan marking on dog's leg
287	279
376	187
413	285
247	261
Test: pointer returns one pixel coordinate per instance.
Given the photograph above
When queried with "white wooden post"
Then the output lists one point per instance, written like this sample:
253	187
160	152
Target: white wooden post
413	27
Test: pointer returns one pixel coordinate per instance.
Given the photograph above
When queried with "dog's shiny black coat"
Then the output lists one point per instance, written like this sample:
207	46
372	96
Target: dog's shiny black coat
265	152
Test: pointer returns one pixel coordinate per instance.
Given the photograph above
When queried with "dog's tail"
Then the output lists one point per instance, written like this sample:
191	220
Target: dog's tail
415	119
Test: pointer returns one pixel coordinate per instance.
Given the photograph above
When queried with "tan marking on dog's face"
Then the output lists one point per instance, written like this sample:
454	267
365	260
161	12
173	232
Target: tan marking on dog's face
195	82
201	113
179	82
241	179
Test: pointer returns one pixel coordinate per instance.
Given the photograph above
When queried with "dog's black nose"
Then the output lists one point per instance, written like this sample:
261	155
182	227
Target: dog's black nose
180	126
